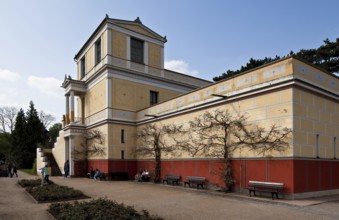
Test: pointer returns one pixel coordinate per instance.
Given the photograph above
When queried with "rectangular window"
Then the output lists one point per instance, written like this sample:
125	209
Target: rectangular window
153	97
83	67
335	148
122	136
122	155
97	51
317	146
137	50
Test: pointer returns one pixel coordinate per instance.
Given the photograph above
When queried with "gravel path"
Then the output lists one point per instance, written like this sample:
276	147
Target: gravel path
170	202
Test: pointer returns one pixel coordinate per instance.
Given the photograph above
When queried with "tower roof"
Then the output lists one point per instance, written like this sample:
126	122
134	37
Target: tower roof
134	26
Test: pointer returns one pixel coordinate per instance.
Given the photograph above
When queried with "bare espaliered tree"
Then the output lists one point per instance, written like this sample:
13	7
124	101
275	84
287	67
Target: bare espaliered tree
7	119
218	134
91	146
155	140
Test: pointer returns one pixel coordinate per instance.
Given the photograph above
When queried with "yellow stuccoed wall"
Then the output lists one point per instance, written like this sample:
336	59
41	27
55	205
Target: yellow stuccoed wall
59	150
228	87
90	59
133	96
104	131
314	114
115	144
276	110
119	44
95	99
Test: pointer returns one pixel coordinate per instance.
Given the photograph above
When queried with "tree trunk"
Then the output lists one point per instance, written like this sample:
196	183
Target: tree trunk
228	175
157	169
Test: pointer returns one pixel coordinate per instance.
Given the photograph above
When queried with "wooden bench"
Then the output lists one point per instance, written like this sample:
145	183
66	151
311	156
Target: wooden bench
198	180
102	176
172	178
273	188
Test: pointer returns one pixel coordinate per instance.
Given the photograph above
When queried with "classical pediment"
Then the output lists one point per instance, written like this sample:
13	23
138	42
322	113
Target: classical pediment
138	27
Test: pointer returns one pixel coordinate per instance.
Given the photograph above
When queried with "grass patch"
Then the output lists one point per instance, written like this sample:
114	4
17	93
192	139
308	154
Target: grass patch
53	192
28	171
97	209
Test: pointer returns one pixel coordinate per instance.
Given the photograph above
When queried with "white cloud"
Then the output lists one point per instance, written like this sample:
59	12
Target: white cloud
9	76
47	85
180	66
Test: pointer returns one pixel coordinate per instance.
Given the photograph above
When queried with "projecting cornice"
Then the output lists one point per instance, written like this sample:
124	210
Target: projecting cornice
70	84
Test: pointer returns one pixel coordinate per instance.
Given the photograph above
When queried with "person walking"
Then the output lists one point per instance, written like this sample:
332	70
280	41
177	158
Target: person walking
66	168
46	174
15	171
9	168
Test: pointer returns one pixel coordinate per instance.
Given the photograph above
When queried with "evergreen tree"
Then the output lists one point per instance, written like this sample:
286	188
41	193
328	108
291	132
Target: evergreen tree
36	131
5	146
27	134
325	57
54	132
20	151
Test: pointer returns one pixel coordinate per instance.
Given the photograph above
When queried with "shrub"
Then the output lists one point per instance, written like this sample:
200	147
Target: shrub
97	209
31	183
53	192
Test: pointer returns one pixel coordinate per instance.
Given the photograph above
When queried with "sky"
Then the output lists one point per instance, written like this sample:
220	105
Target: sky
39	38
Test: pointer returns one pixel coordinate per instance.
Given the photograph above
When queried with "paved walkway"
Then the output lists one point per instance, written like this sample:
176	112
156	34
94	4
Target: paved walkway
170	202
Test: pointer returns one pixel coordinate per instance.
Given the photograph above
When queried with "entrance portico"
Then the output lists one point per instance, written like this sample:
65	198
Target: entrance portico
73	126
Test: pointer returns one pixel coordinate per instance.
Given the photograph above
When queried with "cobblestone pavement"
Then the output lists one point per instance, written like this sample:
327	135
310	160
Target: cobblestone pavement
169	202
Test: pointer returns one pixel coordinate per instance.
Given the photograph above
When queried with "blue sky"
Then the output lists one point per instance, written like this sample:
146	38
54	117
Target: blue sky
39	39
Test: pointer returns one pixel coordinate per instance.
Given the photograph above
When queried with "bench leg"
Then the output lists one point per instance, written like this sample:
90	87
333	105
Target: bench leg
188	184
276	195
163	182
250	192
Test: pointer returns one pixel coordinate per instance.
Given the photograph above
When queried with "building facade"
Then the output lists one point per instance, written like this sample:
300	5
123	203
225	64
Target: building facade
122	85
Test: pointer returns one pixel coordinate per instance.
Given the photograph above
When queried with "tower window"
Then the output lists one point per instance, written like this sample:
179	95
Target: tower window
317	146
122	155
334	147
153	97
82	67
122	136
98	51
137	50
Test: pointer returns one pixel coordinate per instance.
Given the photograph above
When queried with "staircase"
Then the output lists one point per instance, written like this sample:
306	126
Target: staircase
53	164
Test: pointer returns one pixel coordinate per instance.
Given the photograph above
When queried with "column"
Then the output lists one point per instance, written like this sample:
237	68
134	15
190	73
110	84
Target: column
109	47
66	149
128	54
146	56
162	62
82	109
109	98
67	110
72	106
71	156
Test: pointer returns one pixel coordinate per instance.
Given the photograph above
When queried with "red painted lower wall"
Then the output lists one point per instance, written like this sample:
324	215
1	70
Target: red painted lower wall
298	175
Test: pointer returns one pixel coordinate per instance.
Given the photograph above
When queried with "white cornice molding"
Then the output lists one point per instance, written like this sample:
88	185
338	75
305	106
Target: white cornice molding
146	80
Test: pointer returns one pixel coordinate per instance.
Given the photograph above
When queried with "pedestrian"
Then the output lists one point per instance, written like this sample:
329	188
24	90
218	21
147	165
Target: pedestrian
66	168
15	171
42	170
46	174
97	174
9	168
